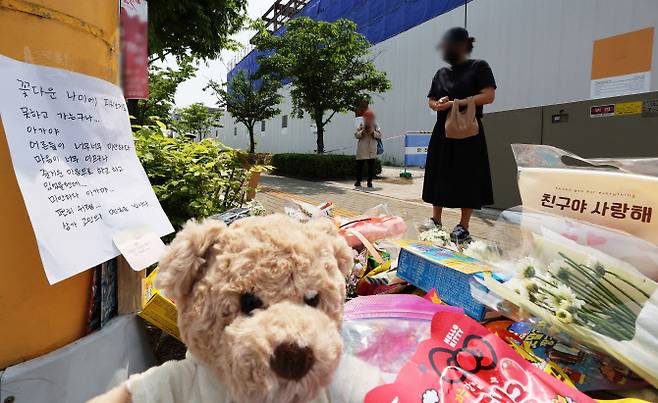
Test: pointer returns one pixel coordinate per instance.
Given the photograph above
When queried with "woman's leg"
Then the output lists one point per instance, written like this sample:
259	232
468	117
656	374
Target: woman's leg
371	170
467	213
437	212
359	171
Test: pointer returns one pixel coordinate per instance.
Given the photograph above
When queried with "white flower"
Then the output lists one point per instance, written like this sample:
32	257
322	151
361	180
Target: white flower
568	299
481	250
478	250
527	267
597	266
436	236
563	297
255	207
564	316
559	271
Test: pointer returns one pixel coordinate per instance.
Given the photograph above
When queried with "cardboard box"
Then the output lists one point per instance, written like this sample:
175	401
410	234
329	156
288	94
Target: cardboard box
159	310
428	266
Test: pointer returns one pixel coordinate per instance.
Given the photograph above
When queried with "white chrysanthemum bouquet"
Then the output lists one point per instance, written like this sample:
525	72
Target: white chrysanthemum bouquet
584	293
581	294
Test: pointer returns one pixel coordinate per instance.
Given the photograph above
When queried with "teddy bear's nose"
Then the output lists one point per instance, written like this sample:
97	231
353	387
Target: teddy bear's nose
292	362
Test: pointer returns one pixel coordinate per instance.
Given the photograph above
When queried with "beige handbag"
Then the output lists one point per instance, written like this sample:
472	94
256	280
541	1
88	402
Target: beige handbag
462	125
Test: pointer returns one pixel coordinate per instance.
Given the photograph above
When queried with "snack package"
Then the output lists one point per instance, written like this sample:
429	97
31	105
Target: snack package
584	369
429	266
304	212
385	330
463	362
373	225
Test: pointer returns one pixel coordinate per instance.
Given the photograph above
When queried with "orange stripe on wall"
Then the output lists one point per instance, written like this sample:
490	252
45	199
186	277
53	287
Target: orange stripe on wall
623	54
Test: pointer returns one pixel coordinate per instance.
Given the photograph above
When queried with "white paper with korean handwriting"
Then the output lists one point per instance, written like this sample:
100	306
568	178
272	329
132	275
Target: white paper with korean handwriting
73	153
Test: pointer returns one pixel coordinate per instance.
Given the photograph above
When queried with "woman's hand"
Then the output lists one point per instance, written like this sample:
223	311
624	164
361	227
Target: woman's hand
440	105
443	106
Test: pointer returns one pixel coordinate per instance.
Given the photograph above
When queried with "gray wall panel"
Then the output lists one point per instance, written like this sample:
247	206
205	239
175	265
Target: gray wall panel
617	136
504	129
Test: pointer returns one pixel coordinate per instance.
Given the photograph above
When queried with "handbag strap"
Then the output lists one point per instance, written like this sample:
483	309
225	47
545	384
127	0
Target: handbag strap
455	109
470	108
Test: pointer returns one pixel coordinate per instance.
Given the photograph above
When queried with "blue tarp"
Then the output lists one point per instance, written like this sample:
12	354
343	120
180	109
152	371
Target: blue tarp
377	20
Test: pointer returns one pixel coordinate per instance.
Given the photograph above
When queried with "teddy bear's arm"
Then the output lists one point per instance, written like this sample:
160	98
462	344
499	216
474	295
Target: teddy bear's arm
120	394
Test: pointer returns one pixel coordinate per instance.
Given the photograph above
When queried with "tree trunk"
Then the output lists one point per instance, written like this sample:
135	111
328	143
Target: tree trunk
252	142
320	127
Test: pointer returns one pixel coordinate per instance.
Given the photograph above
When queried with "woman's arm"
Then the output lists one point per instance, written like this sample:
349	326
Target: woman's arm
359	133
377	134
485	97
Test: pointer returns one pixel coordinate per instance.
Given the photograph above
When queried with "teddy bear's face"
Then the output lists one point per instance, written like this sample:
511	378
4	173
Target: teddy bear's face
261	303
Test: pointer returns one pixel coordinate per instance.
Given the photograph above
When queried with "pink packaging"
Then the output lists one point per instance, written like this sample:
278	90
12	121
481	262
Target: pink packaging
385	330
373	229
464	362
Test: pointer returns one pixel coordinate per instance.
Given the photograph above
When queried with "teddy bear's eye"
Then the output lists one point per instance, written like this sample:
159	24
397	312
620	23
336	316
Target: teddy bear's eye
249	302
313	300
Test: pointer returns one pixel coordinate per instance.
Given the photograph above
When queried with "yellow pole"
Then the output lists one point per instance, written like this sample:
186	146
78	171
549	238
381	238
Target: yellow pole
81	36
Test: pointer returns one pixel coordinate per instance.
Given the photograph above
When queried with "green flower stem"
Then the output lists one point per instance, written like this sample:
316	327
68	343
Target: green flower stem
608	316
617	288
545	282
588	294
597	283
629	283
617	307
608	329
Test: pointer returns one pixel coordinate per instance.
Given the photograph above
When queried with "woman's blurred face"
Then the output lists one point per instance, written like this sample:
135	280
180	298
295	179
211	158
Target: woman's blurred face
453	53
369	119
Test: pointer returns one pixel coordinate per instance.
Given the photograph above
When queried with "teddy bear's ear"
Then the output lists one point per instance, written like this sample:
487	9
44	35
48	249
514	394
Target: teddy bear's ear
183	264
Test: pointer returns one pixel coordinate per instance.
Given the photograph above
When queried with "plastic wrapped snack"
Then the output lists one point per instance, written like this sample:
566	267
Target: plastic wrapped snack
304	212
463	362
582	368
373	225
384	330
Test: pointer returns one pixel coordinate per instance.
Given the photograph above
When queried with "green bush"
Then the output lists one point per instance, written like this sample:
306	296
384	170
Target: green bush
317	166
191	180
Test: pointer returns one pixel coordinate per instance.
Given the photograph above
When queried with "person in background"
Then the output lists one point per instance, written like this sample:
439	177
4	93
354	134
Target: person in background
366	148
457	173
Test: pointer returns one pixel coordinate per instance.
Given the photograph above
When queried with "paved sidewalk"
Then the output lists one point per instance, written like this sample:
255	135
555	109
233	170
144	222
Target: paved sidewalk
402	199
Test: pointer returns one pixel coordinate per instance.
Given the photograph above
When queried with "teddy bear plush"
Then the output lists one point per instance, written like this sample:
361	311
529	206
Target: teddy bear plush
260	308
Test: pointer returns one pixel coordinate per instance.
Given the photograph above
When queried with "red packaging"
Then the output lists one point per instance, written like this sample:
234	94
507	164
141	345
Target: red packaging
463	362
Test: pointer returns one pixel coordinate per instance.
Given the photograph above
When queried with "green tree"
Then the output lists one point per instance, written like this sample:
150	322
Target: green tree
197	119
328	65
190	29
163	83
198	28
248	101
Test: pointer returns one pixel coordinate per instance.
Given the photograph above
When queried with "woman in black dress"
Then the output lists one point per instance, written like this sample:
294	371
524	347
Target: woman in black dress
457	173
